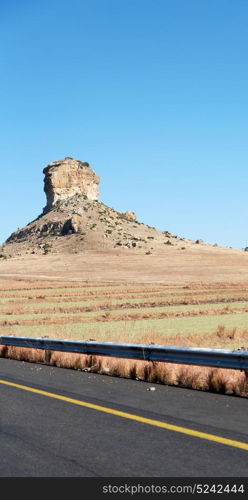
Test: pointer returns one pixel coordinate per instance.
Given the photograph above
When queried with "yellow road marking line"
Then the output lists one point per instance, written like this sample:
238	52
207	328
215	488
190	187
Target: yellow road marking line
137	418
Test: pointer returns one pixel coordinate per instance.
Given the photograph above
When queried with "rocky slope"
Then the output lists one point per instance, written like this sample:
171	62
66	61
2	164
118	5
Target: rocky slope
74	220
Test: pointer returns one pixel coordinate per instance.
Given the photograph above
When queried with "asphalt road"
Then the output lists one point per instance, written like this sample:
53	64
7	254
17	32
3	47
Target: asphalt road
83	435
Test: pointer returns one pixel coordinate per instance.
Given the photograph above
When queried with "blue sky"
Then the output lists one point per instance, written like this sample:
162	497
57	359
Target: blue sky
152	93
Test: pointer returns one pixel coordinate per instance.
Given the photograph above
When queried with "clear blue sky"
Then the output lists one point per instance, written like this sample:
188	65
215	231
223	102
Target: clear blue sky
152	93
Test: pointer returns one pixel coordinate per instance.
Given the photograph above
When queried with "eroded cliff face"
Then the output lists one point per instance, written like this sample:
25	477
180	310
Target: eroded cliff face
67	177
74	220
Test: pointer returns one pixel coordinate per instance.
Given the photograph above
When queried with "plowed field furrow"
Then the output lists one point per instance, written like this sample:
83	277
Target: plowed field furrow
168	298
85	296
117	305
89	291
130	316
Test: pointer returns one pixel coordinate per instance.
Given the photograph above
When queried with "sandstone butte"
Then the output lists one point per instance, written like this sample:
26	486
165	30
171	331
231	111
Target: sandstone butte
73	218
80	234
65	178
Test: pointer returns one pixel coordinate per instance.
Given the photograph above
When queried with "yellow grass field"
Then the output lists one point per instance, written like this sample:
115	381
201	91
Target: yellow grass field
200	315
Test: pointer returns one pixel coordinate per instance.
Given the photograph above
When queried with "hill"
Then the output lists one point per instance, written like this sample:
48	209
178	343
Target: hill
73	219
79	237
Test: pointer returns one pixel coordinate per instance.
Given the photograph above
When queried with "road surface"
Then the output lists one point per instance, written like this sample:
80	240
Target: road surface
58	422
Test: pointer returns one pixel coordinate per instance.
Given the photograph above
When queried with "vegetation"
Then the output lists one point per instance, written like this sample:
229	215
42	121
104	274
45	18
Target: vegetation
190	316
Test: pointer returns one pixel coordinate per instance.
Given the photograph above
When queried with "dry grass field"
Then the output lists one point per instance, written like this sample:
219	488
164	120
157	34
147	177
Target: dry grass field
204	313
82	270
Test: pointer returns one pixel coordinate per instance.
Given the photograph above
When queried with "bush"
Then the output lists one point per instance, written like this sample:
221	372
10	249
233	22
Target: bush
47	248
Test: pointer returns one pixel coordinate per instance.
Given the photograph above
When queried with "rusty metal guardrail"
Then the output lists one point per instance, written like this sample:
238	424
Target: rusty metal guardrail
220	358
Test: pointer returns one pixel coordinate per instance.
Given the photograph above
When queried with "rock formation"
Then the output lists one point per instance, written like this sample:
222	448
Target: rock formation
65	178
130	215
74	220
72	225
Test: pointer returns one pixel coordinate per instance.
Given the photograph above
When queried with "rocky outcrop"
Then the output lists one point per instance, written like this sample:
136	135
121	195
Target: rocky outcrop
130	215
72	225
65	178
74	220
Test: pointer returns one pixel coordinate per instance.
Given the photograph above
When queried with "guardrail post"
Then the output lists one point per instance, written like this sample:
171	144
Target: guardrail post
48	355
